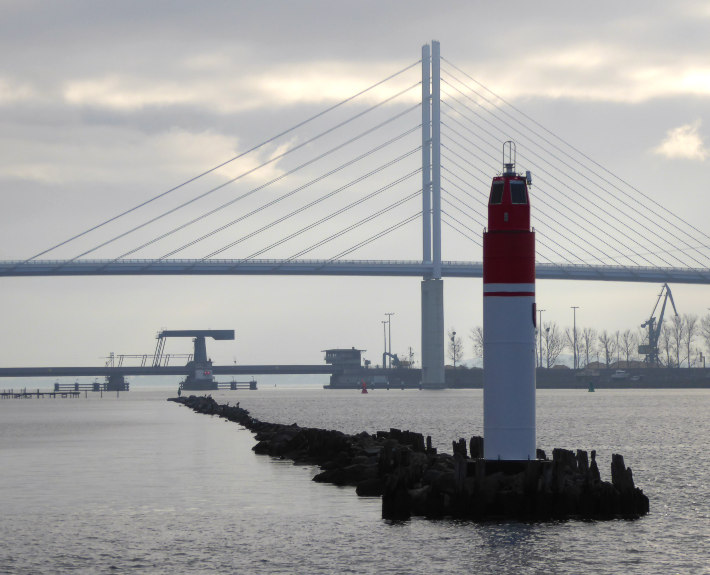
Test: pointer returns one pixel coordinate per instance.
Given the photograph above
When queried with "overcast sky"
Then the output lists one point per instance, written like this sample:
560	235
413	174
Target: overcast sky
105	104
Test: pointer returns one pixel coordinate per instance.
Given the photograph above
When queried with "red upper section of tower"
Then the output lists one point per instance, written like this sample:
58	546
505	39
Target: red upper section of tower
509	204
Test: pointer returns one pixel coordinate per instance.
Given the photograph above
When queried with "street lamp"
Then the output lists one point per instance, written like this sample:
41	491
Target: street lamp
384	354
574	333
539	331
453	347
389	322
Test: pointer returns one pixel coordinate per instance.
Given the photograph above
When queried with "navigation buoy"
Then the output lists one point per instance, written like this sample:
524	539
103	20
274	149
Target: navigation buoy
509	318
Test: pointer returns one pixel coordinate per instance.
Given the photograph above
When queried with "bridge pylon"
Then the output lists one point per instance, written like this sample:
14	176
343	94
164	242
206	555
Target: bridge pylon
433	376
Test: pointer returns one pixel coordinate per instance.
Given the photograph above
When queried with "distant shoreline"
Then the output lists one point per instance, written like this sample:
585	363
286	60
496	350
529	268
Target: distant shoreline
611	378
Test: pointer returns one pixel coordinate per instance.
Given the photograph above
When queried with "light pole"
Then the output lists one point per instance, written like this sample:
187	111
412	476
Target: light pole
574	333
453	347
539	331
384	354
389	322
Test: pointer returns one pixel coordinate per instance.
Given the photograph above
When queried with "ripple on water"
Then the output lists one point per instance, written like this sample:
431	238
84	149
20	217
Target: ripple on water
141	485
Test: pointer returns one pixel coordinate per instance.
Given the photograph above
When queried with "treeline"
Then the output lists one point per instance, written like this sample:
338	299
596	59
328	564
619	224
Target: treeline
682	342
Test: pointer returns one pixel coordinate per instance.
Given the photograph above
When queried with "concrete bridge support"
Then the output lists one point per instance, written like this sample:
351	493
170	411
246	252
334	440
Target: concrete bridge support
433	286
433	334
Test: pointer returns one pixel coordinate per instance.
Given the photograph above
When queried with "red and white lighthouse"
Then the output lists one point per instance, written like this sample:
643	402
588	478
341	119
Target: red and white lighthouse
509	318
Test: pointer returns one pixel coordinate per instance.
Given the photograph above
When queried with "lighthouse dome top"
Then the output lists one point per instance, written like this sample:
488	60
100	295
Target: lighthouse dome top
508	203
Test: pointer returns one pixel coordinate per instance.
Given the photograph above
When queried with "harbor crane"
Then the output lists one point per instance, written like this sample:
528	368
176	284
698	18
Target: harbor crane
650	350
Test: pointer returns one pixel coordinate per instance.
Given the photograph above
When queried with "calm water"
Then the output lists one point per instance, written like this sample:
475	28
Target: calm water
137	484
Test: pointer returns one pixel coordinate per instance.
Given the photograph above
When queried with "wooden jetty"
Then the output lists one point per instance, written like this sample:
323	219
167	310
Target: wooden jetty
24	394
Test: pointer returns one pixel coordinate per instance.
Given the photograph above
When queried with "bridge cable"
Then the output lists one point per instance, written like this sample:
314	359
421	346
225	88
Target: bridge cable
472	238
555	228
354	226
454	228
538	232
467	214
445	200
472	210
317	223
243	174
276	179
543	170
241	155
379	235
544	202
585	156
618	230
300	209
541	199
568	155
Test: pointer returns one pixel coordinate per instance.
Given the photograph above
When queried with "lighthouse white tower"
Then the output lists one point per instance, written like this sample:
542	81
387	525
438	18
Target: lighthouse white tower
509	318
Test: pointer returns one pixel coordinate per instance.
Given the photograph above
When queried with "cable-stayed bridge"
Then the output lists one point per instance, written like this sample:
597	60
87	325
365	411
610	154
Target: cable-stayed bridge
397	176
340	182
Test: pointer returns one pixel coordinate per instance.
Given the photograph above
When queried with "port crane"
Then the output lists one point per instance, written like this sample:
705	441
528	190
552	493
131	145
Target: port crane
650	350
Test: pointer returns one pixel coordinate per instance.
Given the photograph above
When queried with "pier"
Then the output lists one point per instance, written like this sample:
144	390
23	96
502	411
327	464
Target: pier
24	394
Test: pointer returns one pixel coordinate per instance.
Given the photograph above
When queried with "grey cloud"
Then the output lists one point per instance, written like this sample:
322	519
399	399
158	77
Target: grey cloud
50	45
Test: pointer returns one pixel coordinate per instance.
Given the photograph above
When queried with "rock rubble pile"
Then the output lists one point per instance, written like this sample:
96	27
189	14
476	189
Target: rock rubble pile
414	479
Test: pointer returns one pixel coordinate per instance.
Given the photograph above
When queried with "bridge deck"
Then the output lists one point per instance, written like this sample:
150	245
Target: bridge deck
168	370
340	268
288	369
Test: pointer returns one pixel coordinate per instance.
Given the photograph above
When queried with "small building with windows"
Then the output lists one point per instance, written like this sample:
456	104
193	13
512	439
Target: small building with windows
346	358
350	370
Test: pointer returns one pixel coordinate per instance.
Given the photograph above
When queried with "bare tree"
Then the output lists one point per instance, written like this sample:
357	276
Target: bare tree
553	343
607	345
628	344
665	344
677	330
692	330
588	337
476	337
455	347
705	331
570	344
676	339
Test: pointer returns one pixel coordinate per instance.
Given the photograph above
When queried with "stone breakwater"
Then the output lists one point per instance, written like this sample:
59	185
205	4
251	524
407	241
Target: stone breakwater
414	479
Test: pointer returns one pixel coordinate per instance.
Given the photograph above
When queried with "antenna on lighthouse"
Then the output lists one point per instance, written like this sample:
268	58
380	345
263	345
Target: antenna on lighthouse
509	154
